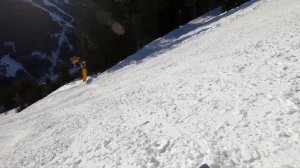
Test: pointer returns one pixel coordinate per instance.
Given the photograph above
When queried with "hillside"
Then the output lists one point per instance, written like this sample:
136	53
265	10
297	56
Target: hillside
35	34
222	90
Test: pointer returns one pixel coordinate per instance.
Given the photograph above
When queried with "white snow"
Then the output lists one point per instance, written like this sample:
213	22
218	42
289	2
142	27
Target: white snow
12	45
48	3
10	112
11	66
224	92
67	1
40	54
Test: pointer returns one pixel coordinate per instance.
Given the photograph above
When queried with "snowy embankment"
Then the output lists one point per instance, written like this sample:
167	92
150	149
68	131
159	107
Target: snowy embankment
224	92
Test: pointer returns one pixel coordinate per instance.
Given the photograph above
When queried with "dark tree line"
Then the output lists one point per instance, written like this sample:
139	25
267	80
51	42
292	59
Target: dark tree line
111	30
25	91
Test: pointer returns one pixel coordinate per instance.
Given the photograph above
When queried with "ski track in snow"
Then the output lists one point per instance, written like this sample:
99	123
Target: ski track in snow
228	97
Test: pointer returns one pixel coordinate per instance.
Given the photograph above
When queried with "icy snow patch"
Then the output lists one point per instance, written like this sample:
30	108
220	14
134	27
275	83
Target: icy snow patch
11	65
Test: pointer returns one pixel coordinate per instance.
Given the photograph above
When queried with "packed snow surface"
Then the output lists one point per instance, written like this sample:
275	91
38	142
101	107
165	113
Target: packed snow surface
222	90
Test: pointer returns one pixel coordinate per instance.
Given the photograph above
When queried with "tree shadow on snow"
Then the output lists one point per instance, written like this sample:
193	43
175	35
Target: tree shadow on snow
172	39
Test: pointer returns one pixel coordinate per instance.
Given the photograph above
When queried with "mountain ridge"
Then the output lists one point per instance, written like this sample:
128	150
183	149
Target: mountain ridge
42	43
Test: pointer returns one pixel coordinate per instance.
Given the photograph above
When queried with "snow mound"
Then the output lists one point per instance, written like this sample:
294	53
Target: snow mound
222	91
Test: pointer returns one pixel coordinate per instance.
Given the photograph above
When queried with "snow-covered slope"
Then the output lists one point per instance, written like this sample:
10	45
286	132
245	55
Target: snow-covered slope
223	91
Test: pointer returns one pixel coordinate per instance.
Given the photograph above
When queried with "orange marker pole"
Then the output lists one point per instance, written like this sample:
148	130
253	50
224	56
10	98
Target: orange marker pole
84	74
84	71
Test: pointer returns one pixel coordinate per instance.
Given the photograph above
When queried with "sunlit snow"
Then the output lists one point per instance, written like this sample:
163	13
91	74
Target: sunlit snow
222	91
